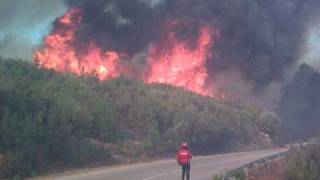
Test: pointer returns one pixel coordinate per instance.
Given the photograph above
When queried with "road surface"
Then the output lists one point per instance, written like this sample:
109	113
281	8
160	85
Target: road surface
202	168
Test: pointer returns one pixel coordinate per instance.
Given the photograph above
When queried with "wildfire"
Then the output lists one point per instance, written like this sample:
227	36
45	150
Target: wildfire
176	64
60	54
180	66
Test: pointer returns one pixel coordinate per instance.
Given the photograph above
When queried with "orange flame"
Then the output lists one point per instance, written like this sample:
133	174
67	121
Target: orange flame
60	54
175	65
181	66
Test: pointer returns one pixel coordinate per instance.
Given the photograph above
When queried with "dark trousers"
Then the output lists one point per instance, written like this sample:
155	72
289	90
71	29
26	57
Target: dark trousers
186	171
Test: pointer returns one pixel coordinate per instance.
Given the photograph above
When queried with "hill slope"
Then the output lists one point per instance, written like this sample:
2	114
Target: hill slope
48	120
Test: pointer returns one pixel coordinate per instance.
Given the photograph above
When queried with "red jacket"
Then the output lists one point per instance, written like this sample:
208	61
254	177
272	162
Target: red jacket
184	156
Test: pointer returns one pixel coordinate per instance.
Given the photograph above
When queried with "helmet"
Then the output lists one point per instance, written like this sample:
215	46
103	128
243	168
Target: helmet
184	145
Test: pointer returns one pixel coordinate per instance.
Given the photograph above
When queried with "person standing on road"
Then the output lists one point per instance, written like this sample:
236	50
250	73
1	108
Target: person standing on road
183	158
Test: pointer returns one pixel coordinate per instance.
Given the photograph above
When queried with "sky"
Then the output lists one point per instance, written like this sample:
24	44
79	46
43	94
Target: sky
312	55
23	24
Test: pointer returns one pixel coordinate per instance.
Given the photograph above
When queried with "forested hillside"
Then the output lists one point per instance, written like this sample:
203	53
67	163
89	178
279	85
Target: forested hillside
48	120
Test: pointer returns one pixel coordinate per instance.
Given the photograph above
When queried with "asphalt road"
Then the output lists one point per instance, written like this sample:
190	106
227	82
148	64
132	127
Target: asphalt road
202	168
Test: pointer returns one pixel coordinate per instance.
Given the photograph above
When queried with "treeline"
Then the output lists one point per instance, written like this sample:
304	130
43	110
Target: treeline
49	120
300	105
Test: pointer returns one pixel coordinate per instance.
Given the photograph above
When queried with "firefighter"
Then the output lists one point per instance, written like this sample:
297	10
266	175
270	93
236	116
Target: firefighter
183	158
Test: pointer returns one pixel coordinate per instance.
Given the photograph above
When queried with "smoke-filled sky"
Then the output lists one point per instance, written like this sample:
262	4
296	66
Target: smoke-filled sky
23	23
260	40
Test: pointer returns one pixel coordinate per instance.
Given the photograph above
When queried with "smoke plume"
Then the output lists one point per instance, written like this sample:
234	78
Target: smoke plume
257	39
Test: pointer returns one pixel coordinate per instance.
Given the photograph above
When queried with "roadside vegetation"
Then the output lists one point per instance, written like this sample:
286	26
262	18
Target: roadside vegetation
49	120
304	163
217	177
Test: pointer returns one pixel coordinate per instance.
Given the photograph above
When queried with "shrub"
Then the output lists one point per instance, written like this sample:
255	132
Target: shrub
304	163
238	175
217	177
46	117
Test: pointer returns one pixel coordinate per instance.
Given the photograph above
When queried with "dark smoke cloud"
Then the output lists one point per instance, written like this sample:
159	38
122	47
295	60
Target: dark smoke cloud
22	23
263	38
122	25
260	39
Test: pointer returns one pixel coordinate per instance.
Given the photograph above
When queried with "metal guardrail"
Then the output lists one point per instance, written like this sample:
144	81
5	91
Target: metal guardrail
229	175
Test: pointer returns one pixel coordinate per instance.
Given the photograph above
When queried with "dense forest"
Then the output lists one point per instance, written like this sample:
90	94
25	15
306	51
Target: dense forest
49	119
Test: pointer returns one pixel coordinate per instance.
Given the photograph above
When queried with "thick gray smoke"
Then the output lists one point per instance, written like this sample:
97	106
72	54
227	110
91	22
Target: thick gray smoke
263	39
123	25
300	104
260	39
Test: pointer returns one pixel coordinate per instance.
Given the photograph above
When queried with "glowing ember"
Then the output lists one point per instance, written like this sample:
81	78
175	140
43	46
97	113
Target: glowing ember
60	54
181	66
